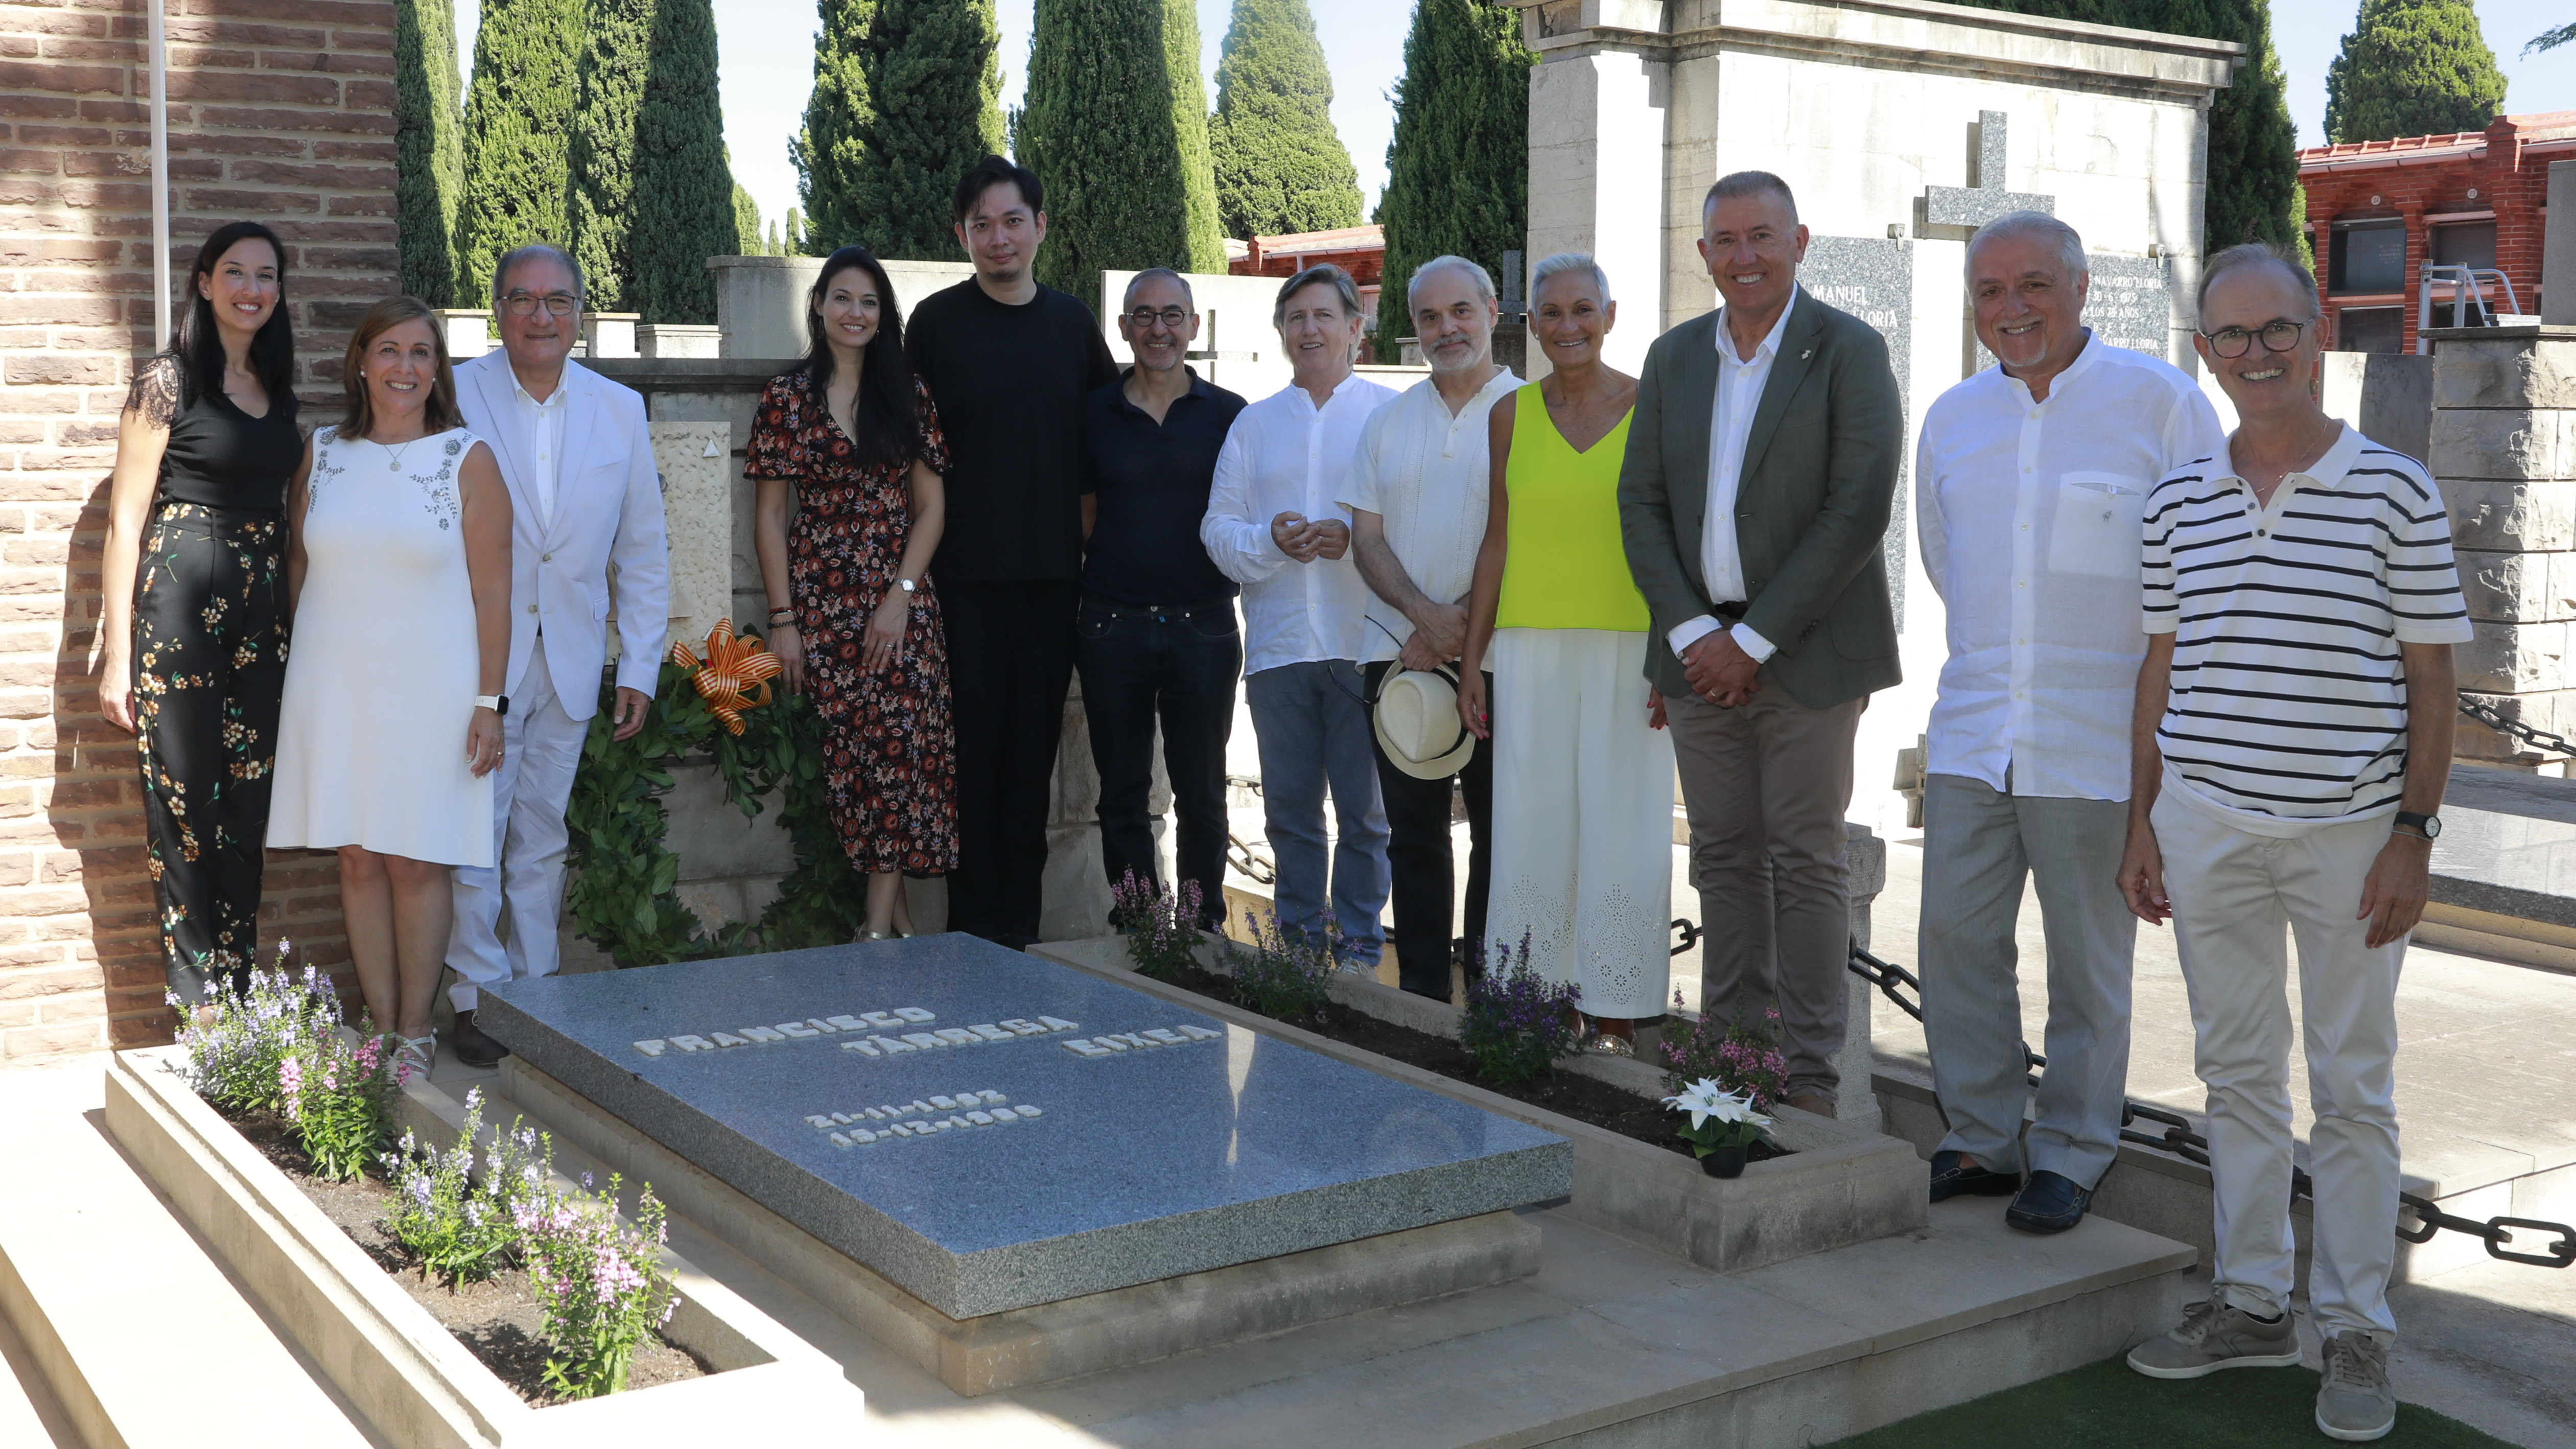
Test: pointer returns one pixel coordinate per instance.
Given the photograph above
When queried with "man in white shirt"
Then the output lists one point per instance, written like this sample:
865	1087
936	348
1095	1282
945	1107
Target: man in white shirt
1273	526
1754	497
2028	484
586	540
1418	497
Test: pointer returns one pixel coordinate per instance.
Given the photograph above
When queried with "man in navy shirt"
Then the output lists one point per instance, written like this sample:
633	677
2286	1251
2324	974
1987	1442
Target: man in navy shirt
1155	635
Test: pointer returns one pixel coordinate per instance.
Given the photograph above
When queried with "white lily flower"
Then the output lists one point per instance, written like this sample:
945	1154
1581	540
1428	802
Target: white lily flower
1704	1099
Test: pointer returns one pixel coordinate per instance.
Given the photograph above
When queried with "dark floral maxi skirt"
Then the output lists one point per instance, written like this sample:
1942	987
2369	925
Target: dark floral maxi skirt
210	627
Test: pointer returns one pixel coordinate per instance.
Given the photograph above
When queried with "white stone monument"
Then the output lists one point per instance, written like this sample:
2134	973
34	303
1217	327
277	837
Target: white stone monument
1901	126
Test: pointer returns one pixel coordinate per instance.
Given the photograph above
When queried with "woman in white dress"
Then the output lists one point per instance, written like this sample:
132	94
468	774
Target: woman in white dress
1583	772
400	581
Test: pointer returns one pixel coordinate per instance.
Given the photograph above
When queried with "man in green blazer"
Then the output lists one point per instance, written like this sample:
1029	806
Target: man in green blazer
1761	461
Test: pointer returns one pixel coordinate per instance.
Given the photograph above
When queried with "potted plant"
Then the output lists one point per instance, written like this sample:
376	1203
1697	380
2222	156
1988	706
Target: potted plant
1723	1125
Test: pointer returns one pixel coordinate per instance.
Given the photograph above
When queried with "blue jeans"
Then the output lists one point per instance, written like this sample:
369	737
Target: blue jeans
1174	664
1313	729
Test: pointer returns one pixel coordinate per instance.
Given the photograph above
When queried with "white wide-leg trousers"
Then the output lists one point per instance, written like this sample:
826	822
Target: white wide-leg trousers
542	749
1583	817
2232	893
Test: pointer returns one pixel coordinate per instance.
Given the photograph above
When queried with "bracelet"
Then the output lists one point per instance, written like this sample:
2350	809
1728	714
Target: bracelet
782	616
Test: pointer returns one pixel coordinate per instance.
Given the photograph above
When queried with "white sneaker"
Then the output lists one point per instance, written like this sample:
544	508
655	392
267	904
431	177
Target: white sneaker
2354	1401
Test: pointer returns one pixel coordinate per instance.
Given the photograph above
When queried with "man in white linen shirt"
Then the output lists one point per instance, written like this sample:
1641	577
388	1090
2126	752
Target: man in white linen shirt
2027	488
1418	496
1273	507
587	536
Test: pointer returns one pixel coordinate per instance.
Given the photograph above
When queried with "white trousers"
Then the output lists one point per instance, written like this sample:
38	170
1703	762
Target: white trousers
542	749
1583	817
2232	892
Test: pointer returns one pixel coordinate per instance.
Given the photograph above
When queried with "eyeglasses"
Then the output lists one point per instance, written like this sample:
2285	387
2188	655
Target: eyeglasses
1171	317
521	304
2277	337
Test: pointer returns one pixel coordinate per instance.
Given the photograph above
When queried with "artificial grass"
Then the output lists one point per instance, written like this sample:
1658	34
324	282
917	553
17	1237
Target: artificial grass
2108	1405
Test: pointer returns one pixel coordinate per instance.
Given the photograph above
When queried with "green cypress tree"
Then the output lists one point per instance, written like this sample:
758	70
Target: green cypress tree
518	130
746	223
1102	129
906	97
1458	166
2412	68
429	148
600	204
683	183
1280	166
1206	229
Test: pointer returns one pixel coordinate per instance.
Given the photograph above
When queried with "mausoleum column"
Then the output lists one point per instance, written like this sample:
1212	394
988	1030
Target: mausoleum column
1596	179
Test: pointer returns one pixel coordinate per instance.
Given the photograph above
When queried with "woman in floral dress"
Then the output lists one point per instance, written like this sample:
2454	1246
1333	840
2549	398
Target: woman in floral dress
848	454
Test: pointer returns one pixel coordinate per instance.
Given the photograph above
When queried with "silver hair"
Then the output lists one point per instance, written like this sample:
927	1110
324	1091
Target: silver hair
510	259
2254	254
2070	246
1483	279
1563	263
1326	273
1129	297
1748	183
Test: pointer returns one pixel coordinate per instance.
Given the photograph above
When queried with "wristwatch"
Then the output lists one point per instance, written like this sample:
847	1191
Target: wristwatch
908	586
497	703
2428	826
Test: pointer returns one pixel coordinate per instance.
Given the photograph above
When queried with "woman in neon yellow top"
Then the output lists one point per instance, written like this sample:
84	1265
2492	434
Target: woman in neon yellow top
1583	772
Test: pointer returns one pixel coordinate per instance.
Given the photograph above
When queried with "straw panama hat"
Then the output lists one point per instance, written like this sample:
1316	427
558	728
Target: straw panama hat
1416	718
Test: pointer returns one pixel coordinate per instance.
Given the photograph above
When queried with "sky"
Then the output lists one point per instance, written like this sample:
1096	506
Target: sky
767	70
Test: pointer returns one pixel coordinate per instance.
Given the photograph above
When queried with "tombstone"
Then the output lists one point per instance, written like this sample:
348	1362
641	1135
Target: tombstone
1899	129
988	1132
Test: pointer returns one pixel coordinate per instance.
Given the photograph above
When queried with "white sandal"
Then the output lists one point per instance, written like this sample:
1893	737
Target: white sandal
416	1054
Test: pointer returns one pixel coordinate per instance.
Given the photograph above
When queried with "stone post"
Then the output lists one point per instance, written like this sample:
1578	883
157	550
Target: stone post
1857	1101
1596	172
2504	450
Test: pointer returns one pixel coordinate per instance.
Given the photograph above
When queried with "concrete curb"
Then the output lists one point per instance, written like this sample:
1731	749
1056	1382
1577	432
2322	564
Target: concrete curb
410	1379
1842	1185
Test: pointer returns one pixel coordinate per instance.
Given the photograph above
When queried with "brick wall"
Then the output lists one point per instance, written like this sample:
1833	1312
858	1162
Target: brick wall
280	111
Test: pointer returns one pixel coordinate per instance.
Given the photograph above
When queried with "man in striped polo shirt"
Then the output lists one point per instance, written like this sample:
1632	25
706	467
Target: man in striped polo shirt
2290	746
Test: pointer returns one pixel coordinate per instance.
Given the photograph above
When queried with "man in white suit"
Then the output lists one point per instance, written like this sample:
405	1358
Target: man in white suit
586	534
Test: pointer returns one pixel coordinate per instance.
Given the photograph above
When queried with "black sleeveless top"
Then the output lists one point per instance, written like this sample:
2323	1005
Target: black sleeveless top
219	456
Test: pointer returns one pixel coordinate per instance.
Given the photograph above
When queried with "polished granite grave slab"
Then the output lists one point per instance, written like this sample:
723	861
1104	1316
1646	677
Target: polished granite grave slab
2508	845
990	1130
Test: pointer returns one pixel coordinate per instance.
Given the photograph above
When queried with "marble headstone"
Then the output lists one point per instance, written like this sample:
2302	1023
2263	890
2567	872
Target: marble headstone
2130	304
1872	278
990	1130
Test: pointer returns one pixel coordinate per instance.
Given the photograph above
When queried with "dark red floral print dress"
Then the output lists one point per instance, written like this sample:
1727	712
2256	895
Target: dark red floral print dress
889	740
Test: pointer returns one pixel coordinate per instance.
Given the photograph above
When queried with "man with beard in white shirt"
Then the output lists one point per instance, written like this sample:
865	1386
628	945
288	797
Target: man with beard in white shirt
1273	526
2028	484
1418	499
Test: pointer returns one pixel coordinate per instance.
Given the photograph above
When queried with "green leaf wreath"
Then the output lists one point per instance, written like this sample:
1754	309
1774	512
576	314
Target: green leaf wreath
624	879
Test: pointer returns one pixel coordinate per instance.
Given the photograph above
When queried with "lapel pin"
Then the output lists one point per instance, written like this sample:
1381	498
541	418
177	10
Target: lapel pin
1803	356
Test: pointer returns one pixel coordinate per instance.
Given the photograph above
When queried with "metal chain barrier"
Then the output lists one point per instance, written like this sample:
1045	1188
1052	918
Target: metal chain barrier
2514	729
1246	857
2178	1139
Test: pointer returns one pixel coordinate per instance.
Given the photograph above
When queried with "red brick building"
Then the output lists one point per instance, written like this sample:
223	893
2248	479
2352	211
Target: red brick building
279	110
2380	211
1358	250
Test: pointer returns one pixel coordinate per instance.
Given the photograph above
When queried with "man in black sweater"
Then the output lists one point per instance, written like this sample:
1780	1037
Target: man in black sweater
1155	639
1008	362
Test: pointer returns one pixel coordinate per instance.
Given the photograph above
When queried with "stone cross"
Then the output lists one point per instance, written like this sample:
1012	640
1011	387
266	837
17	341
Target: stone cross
1953	212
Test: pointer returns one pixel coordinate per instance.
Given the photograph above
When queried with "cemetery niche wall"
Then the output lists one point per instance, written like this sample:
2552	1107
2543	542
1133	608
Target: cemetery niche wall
1900	126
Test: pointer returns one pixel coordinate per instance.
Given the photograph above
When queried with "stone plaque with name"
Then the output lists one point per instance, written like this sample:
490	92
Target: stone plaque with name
2130	304
990	1130
1872	278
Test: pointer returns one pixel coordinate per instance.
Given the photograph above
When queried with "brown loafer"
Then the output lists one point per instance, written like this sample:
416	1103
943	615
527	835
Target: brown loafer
1821	1106
473	1047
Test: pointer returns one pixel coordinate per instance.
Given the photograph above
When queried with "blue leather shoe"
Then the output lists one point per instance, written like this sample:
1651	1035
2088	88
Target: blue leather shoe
2049	1203
1952	1177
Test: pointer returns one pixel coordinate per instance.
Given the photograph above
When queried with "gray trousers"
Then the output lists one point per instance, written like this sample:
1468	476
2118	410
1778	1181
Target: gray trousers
1766	785
1313	732
1978	843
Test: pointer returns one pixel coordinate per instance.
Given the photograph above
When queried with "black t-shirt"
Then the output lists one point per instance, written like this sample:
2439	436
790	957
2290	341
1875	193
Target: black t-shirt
1009	383
1152	480
218	455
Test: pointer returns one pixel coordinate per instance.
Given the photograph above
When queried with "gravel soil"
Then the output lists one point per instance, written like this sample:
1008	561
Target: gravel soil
495	1319
1585	1099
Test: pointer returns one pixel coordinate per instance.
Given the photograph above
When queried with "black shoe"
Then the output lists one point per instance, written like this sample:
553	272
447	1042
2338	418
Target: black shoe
473	1048
1951	1177
2049	1203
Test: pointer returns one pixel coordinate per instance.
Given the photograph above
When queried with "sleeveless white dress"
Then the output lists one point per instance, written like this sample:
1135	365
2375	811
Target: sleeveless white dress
383	665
